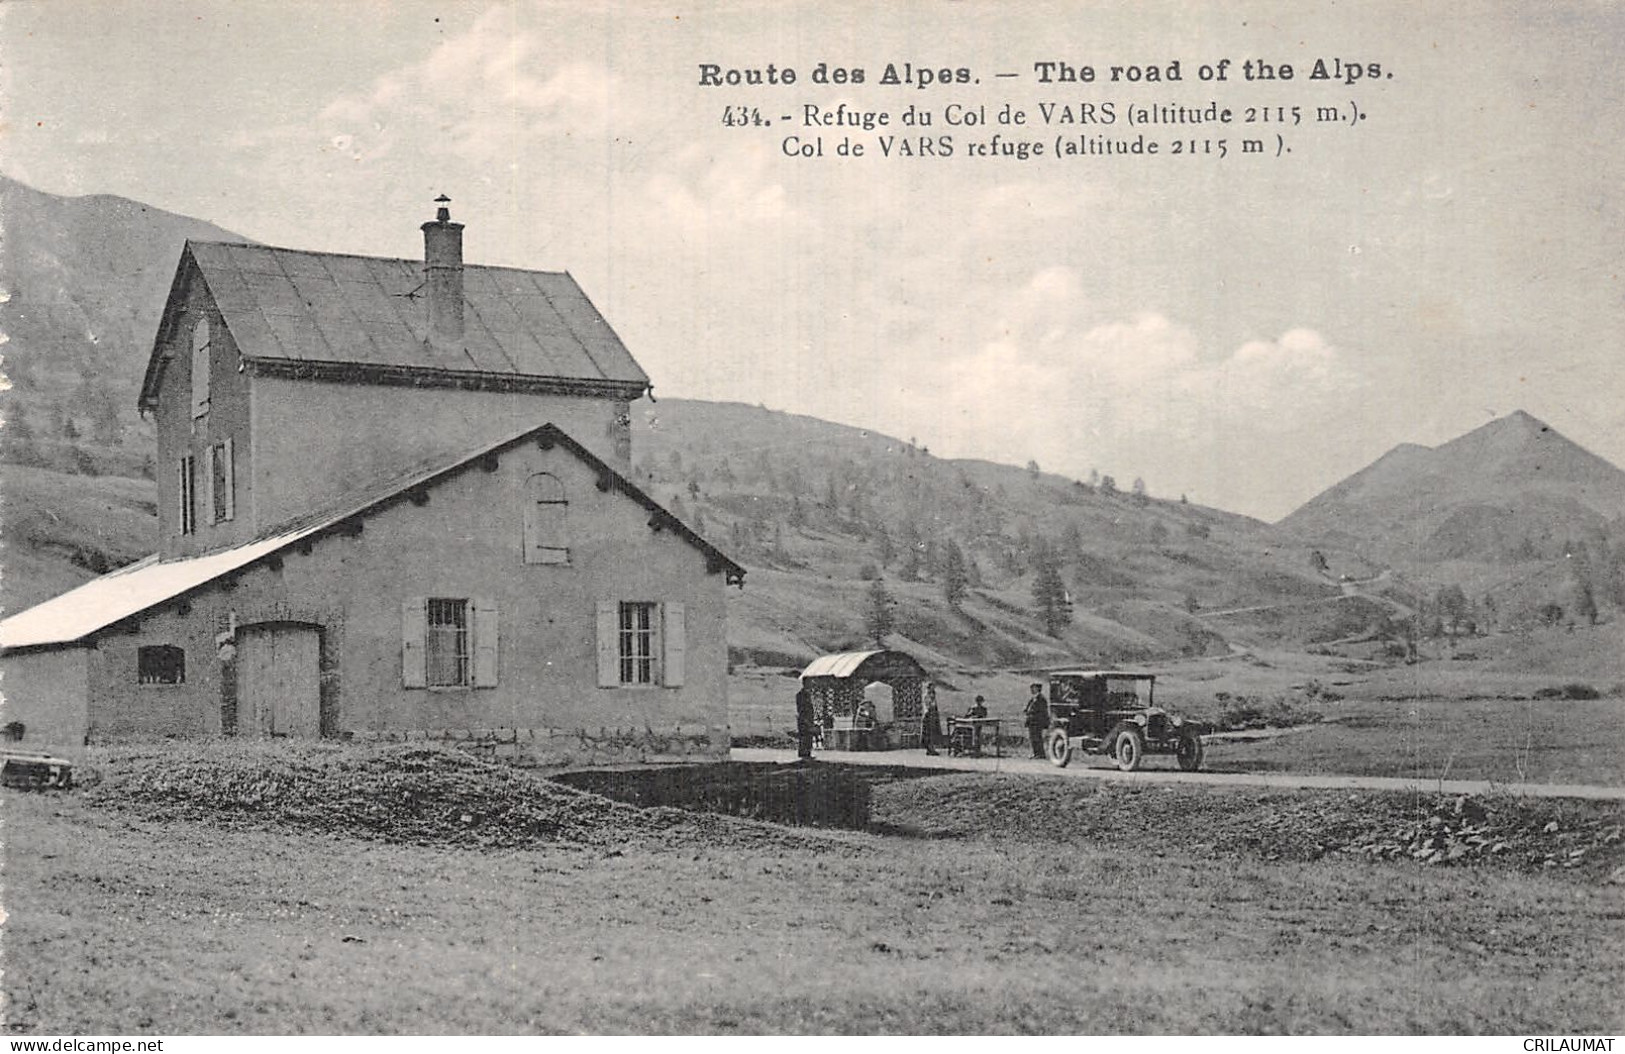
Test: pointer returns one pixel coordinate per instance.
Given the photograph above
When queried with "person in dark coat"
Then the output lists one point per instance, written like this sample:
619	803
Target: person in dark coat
806	723
930	721
1037	719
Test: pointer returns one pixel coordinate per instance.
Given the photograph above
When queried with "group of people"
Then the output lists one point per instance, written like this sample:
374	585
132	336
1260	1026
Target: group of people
1035	716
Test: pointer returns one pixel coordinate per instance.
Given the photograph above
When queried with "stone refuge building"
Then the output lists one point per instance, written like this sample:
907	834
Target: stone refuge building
393	504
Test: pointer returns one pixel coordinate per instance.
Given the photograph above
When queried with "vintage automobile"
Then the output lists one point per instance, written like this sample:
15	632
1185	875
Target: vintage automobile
1112	712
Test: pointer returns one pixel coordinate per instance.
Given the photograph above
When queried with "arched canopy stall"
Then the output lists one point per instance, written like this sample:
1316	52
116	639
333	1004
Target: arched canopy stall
837	683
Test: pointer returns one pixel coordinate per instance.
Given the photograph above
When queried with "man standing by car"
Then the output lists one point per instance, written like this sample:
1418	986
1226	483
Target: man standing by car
1037	719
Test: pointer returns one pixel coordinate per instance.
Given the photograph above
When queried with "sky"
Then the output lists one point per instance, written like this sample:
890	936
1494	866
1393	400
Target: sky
1245	329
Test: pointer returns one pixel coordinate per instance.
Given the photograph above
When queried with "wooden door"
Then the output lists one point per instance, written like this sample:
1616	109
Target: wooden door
279	681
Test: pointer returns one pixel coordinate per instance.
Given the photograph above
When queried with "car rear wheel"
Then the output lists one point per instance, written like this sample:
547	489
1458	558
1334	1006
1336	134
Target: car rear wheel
1130	748
1058	748
1191	750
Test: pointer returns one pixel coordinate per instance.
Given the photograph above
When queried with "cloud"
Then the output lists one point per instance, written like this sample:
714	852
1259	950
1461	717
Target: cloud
1140	395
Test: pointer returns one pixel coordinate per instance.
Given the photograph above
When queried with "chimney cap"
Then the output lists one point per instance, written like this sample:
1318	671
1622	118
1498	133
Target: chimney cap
442	214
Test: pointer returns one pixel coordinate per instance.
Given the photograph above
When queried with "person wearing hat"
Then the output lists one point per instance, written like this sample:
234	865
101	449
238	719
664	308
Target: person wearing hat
977	711
1037	719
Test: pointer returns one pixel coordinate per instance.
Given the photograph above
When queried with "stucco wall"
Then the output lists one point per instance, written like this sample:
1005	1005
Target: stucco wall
180	433
466	542
123	708
315	441
46	691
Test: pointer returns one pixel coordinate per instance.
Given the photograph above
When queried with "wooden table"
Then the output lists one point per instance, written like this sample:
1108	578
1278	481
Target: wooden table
965	735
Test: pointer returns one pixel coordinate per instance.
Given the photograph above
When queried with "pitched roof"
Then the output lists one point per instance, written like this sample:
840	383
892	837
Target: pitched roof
118	595
316	310
865	664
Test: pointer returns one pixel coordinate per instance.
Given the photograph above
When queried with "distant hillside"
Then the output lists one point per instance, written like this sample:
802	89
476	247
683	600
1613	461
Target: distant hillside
817	511
86	278
1513	510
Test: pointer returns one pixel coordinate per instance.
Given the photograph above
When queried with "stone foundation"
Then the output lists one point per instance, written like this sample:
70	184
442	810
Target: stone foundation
555	747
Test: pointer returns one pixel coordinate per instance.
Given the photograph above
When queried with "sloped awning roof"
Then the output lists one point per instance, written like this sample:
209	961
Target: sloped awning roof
368	313
102	602
867	665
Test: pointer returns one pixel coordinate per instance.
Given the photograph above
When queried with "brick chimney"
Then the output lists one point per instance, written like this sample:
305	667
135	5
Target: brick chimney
443	268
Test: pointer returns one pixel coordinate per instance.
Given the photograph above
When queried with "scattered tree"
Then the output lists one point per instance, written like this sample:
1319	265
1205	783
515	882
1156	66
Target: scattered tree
878	616
884	549
1585	605
955	576
1453	606
1049	592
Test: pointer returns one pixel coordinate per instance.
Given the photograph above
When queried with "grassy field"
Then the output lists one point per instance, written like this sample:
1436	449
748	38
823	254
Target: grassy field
987	904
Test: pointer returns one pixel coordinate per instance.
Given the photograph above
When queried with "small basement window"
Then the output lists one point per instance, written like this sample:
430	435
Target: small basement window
160	664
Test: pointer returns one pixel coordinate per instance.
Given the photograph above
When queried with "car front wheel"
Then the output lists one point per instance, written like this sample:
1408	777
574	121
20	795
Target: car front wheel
1058	748
1130	749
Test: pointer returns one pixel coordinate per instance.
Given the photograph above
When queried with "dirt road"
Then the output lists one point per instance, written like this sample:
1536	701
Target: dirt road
1098	768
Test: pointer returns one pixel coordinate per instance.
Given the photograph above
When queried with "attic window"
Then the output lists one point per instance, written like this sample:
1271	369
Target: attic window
546	541
200	368
160	664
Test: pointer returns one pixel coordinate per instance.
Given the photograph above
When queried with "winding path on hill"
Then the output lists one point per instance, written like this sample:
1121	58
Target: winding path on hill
1082	768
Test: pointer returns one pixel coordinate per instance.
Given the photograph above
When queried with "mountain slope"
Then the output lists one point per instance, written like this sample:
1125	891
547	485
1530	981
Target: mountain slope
1416	503
1512	511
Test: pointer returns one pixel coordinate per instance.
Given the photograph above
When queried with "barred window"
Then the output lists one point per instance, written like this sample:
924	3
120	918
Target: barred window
446	646
640	643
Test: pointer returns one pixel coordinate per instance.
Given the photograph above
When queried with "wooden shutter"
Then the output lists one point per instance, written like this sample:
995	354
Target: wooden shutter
533	527
200	368
231	482
208	485
485	642
675	639
414	632
609	647
183	496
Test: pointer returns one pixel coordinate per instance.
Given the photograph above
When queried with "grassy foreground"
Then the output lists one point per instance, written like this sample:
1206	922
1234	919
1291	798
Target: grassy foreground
971	915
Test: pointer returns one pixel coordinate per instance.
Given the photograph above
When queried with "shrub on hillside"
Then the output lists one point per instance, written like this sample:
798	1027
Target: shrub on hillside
1568	691
1241	712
